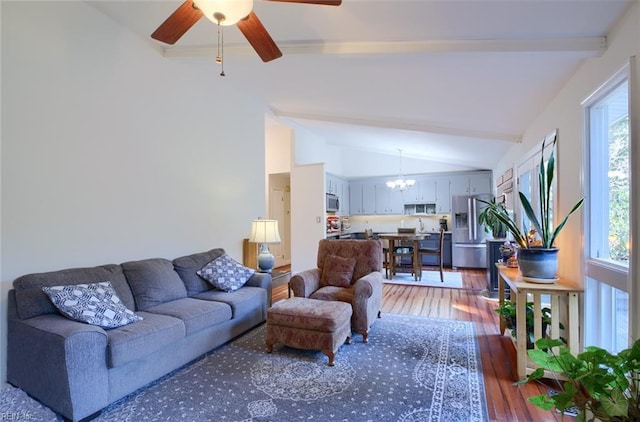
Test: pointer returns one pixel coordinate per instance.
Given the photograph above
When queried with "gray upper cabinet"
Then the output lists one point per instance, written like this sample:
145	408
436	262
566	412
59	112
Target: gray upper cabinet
388	201
431	193
443	195
424	191
345	199
331	184
368	197
471	184
355	198
362	197
480	183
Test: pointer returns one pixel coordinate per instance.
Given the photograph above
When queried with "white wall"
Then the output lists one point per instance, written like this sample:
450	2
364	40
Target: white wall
565	113
307	215
111	152
309	148
279	146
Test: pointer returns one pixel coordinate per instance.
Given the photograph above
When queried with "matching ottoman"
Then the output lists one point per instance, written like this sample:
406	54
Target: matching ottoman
309	324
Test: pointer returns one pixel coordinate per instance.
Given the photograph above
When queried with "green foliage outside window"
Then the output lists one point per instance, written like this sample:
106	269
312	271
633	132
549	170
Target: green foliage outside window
619	190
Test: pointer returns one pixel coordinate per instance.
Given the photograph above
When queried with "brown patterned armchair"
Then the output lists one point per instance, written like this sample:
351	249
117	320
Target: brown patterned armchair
348	271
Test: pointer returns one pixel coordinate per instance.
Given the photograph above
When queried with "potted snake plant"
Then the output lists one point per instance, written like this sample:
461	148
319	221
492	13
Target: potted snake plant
537	254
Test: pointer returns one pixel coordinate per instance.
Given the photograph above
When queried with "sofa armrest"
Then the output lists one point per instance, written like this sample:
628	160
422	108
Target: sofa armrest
60	362
365	287
305	282
264	281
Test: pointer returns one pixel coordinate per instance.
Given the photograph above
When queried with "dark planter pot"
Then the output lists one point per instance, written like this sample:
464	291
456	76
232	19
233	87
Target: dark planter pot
505	257
540	263
511	324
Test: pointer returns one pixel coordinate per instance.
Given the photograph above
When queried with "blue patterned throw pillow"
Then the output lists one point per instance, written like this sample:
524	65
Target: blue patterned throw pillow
96	304
225	273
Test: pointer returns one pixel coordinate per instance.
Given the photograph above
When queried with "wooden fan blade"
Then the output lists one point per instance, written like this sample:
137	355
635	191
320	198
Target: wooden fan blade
178	23
324	2
259	38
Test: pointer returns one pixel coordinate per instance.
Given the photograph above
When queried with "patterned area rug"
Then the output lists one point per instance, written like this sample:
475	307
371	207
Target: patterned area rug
412	369
452	280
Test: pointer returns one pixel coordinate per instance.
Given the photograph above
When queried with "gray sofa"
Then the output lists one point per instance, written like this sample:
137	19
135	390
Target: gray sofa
77	369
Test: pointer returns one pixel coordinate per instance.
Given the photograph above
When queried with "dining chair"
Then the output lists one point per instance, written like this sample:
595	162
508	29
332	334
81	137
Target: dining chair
368	234
403	252
437	251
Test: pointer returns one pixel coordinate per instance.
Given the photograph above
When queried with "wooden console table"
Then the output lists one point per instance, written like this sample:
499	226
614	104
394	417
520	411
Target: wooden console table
520	292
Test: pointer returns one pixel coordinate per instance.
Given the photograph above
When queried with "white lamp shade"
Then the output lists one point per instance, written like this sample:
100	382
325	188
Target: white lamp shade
264	231
232	10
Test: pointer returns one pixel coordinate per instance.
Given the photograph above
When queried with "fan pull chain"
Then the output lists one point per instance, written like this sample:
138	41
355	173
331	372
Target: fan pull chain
219	57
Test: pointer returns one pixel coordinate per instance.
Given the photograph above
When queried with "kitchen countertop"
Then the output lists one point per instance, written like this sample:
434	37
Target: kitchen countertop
337	234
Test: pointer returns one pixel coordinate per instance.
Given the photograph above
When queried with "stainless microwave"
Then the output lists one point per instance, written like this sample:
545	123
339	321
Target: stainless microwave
333	203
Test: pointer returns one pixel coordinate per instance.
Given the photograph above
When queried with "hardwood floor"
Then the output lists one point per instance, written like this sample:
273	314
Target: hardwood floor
505	402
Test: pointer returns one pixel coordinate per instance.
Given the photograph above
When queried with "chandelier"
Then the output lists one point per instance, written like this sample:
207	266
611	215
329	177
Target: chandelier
400	183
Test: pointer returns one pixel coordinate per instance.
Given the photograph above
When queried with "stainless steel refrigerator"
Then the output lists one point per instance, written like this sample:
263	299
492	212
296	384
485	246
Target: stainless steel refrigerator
468	237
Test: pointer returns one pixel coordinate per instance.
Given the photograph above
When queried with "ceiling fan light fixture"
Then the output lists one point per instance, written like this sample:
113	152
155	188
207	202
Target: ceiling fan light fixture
225	12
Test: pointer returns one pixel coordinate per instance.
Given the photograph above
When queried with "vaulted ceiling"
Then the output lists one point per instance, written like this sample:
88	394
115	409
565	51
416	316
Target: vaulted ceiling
448	81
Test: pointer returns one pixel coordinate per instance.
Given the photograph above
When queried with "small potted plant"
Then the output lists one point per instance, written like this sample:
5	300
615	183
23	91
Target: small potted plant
507	250
537	256
602	386
508	312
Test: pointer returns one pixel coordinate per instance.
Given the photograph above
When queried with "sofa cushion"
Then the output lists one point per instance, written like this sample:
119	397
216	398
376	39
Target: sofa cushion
153	281
368	254
309	314
130	342
187	266
225	273
96	304
333	293
337	271
31	301
196	314
242	301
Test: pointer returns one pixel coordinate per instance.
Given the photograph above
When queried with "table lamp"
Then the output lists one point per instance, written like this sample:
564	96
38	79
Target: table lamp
265	232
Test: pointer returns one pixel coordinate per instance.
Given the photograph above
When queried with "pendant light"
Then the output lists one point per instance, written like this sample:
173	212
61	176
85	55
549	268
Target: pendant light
400	183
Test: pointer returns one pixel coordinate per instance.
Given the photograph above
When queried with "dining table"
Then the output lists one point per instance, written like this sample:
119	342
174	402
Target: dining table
395	241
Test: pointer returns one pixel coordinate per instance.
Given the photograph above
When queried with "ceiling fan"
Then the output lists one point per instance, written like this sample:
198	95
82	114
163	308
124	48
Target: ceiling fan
226	13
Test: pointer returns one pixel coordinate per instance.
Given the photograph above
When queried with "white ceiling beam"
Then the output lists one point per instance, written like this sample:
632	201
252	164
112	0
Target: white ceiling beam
400	125
588	46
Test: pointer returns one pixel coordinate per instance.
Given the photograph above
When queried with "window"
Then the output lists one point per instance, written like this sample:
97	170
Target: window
607	239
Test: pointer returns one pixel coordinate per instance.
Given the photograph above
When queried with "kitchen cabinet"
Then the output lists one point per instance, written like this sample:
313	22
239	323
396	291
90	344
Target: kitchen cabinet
424	191
443	196
331	184
368	197
471	184
345	199
355	198
362	197
372	196
339	187
388	201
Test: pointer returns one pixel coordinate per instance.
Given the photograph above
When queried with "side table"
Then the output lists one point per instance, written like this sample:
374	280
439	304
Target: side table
521	291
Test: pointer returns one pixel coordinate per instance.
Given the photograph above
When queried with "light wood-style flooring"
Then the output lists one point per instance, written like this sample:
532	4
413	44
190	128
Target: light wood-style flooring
505	401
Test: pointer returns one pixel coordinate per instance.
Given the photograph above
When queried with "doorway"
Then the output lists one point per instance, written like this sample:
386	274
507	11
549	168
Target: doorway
280	210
